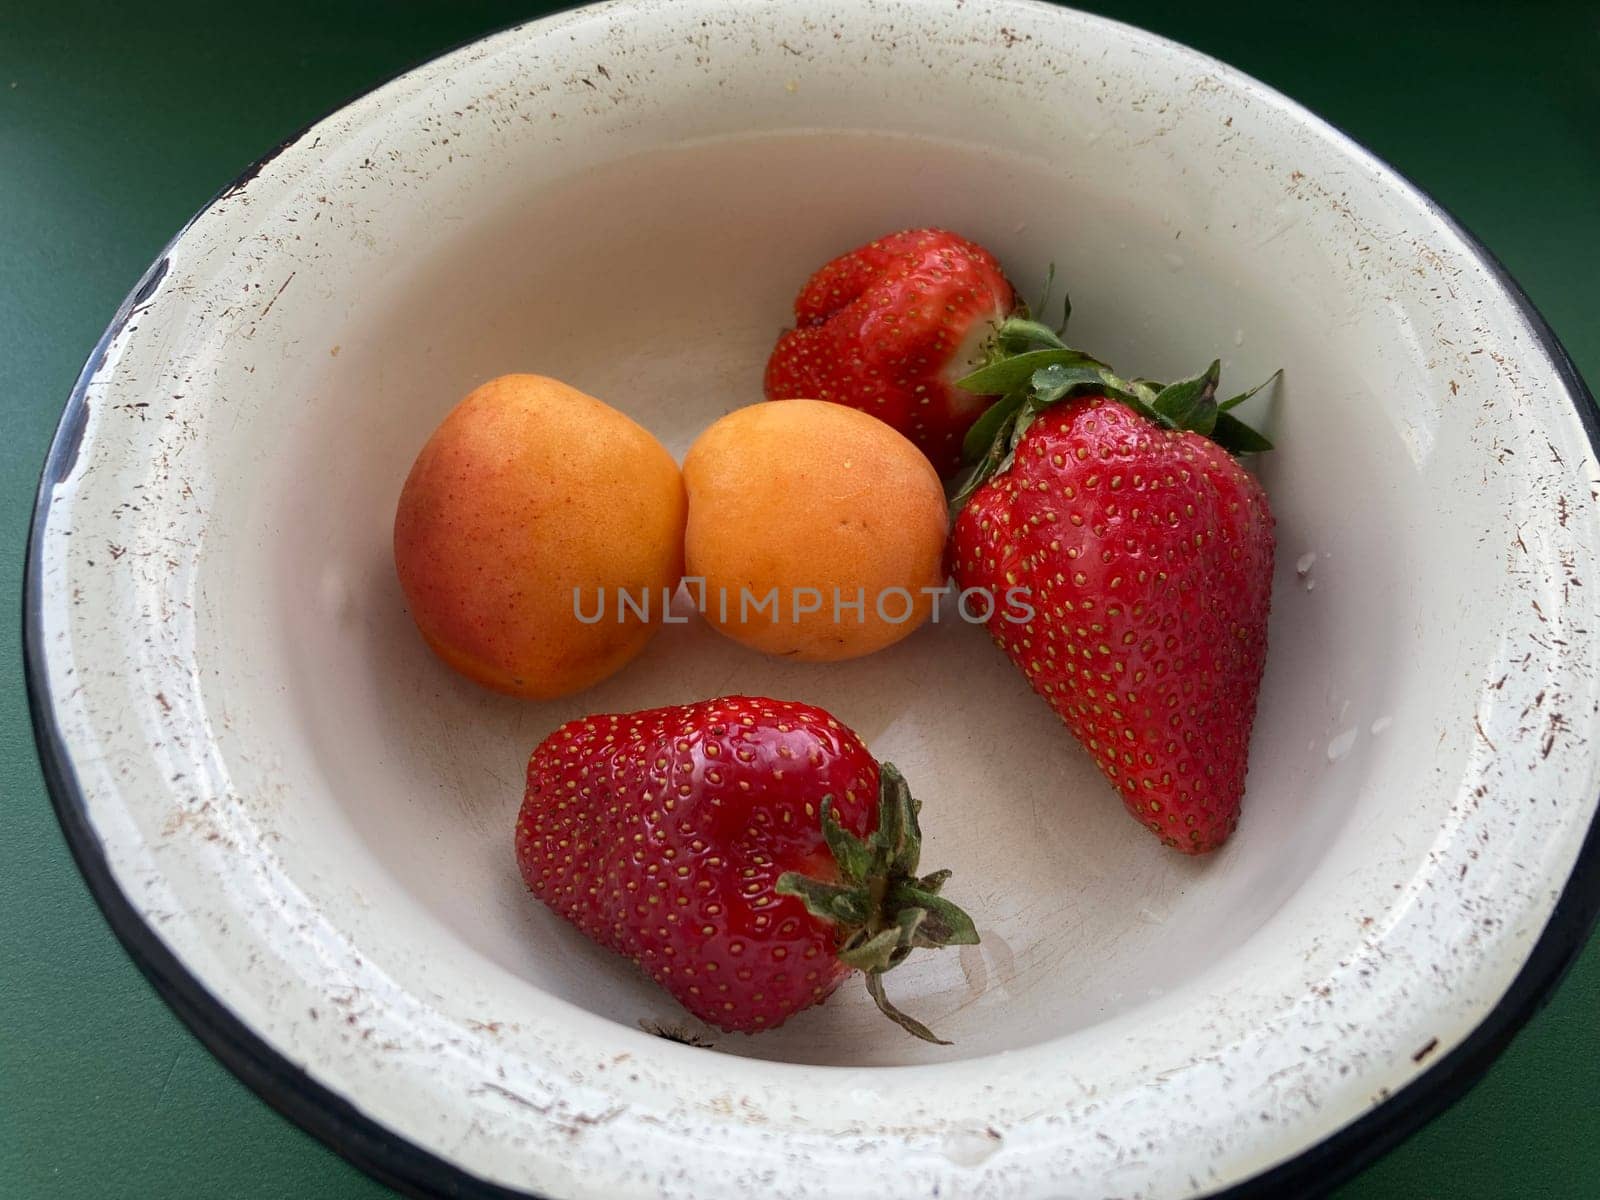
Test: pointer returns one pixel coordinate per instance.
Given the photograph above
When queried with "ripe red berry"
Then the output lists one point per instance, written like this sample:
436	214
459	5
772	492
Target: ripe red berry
1146	552
746	853
889	327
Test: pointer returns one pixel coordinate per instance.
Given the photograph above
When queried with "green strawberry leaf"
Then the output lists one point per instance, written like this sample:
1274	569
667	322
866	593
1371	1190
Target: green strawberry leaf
871	953
1009	374
898	833
1192	403
841	904
1018	334
1243	396
1146	389
849	851
1053	382
986	429
942	923
1234	436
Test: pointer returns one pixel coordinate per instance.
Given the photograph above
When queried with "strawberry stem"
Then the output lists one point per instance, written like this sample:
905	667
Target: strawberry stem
905	1020
883	908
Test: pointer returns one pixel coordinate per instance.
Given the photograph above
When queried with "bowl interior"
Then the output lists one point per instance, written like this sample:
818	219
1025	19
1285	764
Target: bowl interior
658	282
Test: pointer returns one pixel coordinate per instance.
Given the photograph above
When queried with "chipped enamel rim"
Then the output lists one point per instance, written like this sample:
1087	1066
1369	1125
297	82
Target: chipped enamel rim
413	1168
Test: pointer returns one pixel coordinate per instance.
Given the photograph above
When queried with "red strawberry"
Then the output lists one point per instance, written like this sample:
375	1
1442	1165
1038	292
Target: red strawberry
747	854
1147	554
889	327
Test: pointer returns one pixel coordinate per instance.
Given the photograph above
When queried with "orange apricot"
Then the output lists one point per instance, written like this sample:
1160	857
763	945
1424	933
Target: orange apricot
817	529
531	503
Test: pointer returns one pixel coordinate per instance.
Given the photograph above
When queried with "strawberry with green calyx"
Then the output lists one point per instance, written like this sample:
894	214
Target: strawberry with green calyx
746	853
889	328
1146	552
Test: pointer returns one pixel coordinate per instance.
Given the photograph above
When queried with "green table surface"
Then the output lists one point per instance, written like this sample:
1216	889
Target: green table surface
118	121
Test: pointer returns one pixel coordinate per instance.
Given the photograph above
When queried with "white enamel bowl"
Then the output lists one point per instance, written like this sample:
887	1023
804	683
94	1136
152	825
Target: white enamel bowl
300	822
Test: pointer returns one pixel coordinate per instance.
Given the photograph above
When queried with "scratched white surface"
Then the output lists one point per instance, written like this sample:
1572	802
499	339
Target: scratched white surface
316	817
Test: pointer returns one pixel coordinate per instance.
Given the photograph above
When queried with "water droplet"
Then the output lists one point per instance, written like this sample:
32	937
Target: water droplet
1305	562
1238	337
1381	724
1341	744
971	1147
